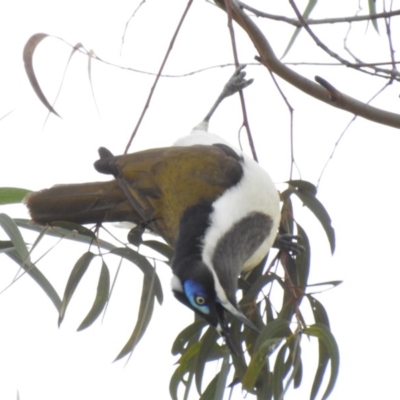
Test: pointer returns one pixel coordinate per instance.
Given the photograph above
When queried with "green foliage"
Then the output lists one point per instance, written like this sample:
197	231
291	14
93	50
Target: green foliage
269	361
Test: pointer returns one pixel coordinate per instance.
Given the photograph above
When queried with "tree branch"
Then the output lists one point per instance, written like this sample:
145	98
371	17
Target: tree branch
268	58
297	23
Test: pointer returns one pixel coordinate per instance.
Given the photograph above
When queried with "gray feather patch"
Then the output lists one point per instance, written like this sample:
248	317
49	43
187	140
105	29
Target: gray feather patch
236	247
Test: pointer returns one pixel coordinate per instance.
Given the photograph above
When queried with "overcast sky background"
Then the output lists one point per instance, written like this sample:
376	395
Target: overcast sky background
359	188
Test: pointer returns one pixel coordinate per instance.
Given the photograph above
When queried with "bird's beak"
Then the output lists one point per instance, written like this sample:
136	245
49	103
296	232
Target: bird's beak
239	315
223	328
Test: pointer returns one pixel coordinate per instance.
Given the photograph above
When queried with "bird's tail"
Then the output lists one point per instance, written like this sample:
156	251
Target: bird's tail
84	203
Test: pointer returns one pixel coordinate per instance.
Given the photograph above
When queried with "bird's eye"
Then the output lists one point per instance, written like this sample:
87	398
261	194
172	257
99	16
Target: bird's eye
200	300
196	295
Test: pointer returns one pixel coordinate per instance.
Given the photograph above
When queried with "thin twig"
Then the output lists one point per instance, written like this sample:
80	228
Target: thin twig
245	123
127	24
336	145
323	46
171	45
298	24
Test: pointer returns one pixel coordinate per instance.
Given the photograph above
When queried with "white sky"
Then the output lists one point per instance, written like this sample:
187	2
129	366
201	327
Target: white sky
359	187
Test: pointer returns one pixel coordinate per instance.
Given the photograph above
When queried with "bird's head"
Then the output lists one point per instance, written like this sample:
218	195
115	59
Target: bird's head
194	285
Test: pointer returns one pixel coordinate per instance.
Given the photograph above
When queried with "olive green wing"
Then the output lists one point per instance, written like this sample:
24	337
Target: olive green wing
162	183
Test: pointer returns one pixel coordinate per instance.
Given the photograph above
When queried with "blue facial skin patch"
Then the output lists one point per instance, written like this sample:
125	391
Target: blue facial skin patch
194	290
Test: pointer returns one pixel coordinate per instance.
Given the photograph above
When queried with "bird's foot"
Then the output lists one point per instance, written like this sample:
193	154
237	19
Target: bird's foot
289	243
236	82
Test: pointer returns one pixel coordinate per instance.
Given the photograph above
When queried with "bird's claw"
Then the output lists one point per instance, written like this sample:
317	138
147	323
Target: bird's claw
289	243
236	82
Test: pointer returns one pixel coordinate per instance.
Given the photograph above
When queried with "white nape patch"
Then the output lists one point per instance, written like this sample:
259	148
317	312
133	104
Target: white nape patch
176	284
255	192
200	135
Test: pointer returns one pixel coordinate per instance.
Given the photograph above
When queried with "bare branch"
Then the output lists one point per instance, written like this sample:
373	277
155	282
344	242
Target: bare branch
171	45
269	59
377	71
298	24
245	122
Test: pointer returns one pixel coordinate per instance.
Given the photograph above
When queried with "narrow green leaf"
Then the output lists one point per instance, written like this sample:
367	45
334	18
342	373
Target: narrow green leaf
73	227
320	314
320	212
278	328
303	186
11	195
6	245
37	276
303	260
103	289
264	386
144	316
160	247
280	372
257	287
310	6
75	277
331	353
64	233
144	265
190	332
210	392
222	377
207	346
287	215
176	379
258	361
135	235
372	11
188	357
294	360
29	49
12	231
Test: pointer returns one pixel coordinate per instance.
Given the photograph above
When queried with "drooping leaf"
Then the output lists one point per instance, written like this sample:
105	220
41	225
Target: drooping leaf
190	332
37	276
12	231
294	360
29	49
208	346
6	245
210	392
144	265
188	357
307	12
320	212
372	11
329	352
303	260
174	383
70	234
280	372
278	328
258	361
12	195
320	314
135	235
90	57
160	247
75	277
222	377
73	227
144	316
103	289
303	186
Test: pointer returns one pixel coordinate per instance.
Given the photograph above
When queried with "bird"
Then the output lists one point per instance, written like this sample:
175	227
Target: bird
212	203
